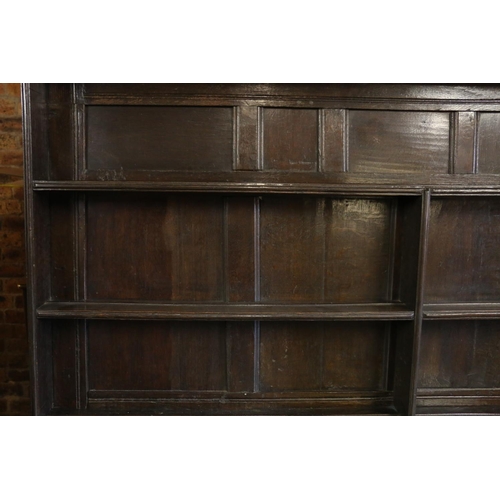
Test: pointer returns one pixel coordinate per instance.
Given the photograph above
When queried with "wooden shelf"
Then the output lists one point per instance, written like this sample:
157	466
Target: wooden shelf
259	182
222	312
463	311
228	187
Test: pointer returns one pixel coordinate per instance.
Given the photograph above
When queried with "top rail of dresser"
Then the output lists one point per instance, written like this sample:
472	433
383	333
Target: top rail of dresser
432	97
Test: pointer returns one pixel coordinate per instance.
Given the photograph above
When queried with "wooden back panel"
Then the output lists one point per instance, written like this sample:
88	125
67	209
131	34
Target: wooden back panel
263	248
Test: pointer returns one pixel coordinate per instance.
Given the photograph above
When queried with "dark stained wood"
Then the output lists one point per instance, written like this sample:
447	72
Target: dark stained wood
174	248
247	143
357	250
464	236
290	139
240	254
410	287
171	356
159	138
358	92
333	139
357	185
292	249
62	238
354	356
489	143
64	370
234	311
330	250
465	143
249	249
324	356
464	354
60	122
258	185
240	352
462	310
383	141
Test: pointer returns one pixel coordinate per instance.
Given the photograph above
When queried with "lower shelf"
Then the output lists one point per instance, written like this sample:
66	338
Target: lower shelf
462	310
222	312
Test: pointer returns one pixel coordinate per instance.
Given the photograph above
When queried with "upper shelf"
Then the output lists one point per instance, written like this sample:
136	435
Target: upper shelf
269	187
224	311
226	187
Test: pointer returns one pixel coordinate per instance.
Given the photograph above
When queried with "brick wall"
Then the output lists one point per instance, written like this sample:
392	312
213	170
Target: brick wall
14	375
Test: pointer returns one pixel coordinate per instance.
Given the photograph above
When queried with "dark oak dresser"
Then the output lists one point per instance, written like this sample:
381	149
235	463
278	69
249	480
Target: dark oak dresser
263	249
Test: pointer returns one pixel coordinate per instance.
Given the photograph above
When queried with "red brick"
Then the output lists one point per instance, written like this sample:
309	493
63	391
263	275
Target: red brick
5	192
13	331
20	407
10	141
11	389
18	192
12	222
12	285
17	331
19	375
3	407
11	125
2	349
11	270
6	302
19	302
14	317
18	361
13	89
13	207
11	239
26	389
13	254
14	158
17	346
9	106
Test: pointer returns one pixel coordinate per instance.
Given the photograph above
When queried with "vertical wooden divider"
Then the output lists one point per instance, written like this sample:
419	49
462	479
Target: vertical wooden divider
240	287
37	212
333	140
463	143
413	252
245	125
80	249
242	344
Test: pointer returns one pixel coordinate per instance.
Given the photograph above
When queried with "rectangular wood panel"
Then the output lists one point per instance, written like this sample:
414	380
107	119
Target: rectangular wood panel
247	141
463	262
398	142
324	250
322	356
290	139
64	355
174	247
292	249
357	250
465	140
460	354
138	355
240	275
159	138
62	246
334	140
489	143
